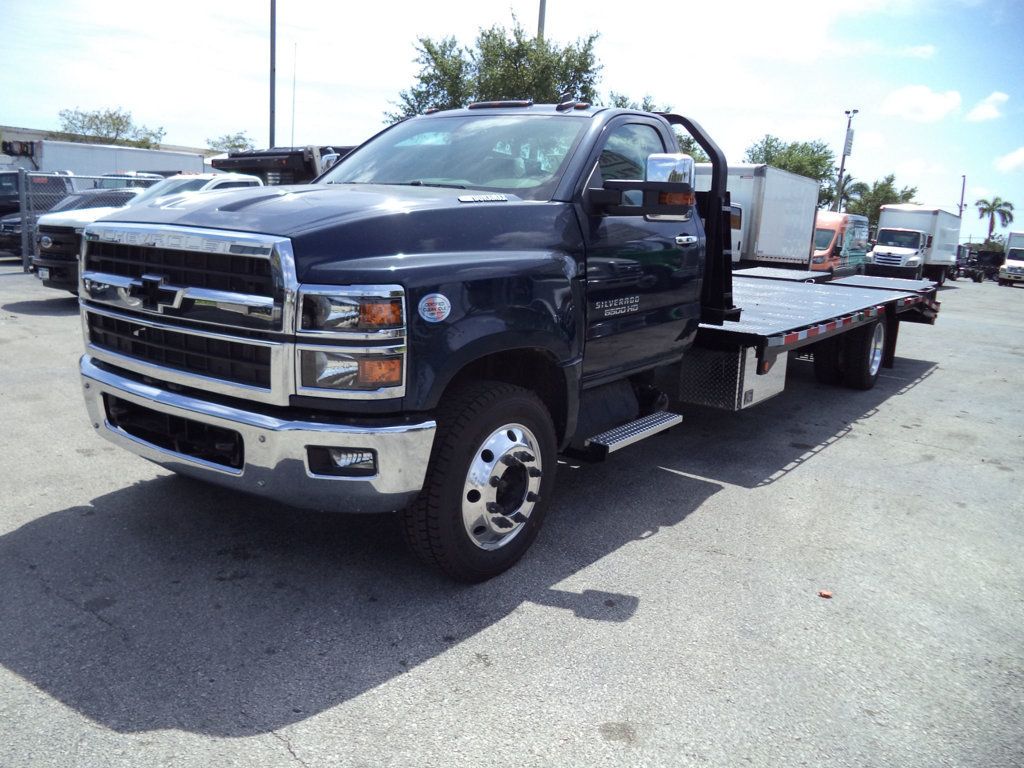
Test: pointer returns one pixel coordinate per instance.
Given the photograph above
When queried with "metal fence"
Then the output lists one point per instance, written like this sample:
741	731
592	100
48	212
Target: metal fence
41	193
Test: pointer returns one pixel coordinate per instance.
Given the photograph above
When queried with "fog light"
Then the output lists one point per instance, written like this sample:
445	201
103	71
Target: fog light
341	462
348	458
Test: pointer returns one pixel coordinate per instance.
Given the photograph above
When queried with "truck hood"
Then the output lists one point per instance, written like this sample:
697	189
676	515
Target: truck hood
76	219
330	224
290	211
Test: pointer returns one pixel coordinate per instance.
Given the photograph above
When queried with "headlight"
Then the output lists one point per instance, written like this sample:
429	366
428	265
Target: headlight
329	369
352	312
869	256
913	261
331	317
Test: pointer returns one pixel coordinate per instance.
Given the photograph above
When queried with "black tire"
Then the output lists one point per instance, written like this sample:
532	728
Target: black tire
862	355
827	362
977	277
437	524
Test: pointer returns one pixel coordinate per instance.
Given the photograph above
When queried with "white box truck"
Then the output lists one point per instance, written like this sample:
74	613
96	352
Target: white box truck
915	241
1012	271
48	156
777	213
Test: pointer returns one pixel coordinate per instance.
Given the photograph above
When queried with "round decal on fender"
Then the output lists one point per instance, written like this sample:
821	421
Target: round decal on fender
435	307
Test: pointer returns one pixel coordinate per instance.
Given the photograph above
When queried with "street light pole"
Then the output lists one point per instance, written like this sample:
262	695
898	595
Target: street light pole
847	146
540	20
963	188
273	64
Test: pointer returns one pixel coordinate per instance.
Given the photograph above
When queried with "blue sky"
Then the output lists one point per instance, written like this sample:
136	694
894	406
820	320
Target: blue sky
939	84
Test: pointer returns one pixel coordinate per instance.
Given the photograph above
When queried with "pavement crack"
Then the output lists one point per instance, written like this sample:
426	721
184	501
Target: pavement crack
288	745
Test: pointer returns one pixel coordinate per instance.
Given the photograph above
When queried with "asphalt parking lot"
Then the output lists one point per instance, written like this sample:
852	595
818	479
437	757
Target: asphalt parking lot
668	615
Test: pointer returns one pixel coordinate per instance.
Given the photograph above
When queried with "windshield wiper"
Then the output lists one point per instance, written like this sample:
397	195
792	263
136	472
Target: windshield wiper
418	183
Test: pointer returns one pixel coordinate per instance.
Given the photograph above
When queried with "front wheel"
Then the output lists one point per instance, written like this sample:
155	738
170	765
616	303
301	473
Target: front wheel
862	355
488	484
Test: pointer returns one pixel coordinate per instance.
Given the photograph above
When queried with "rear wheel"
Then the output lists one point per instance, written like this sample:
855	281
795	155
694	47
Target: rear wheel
488	484
862	356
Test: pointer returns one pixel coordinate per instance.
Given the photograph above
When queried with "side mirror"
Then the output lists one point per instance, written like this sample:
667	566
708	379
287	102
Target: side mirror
328	161
667	190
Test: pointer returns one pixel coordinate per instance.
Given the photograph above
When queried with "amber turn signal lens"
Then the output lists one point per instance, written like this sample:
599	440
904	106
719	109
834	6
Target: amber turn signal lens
677	198
380	314
386	372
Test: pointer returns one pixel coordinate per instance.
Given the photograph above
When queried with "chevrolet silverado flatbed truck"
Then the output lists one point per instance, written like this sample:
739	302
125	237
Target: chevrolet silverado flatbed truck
427	326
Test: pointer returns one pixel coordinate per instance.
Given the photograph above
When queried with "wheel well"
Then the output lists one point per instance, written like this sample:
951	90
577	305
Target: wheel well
532	369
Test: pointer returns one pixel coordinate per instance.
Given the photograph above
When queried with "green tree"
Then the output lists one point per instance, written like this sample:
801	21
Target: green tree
502	64
812	159
867	200
992	208
107	126
231	142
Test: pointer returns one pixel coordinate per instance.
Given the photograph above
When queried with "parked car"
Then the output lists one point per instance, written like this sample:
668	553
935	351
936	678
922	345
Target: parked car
128	179
51	188
58	233
198	182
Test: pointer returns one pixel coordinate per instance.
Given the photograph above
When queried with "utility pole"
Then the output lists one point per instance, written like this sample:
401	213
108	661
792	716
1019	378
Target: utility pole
273	67
540	20
963	188
295	66
847	147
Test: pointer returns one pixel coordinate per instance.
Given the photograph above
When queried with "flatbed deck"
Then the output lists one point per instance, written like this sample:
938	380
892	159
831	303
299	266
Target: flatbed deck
781	314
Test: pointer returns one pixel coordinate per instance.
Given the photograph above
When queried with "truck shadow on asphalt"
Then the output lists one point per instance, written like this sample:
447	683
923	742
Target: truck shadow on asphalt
58	306
759	446
173	604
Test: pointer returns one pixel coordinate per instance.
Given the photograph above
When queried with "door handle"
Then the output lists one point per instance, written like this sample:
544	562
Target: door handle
686	240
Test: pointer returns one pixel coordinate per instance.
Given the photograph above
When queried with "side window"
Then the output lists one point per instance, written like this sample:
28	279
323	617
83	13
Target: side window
234	184
625	153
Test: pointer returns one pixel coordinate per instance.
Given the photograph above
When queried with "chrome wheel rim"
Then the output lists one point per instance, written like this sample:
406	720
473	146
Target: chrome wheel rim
877	343
502	486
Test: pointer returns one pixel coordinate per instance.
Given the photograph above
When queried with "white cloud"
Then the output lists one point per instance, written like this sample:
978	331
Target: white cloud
1011	162
919	51
920	104
988	108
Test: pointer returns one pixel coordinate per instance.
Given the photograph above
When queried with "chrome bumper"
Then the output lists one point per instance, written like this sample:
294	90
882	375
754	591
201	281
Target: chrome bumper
276	464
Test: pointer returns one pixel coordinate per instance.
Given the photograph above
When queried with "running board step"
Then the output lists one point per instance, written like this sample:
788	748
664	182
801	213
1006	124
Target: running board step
631	432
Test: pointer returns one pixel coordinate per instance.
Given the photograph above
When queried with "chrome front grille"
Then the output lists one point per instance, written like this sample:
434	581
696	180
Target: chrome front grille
206	309
238	361
889	259
224	272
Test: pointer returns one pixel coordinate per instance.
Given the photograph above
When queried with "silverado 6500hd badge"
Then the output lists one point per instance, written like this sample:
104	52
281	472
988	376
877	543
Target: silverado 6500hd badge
622	305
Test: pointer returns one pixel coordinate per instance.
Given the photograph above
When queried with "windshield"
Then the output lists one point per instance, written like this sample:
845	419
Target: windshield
519	154
898	239
823	238
8	183
171	186
1015	254
105	199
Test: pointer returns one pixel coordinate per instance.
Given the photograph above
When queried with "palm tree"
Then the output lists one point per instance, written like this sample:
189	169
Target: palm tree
992	208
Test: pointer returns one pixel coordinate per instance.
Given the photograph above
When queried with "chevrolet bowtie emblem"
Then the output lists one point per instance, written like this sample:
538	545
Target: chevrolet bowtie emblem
155	296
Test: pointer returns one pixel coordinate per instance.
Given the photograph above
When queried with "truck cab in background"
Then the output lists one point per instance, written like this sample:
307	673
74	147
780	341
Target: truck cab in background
915	241
840	243
1012	271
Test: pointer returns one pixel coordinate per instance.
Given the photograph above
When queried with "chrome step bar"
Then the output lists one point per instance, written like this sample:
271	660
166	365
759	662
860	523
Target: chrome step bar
631	432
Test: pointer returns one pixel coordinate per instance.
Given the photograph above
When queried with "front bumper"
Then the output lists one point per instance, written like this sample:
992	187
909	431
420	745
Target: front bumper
275	450
63	273
891	270
1011	277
